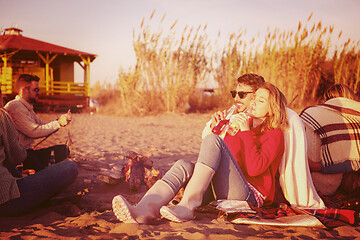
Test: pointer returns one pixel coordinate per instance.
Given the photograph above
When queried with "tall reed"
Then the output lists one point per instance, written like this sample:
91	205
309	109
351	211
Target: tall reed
167	69
300	63
169	66
347	65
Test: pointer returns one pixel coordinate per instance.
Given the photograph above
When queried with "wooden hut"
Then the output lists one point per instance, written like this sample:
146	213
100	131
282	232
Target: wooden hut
53	64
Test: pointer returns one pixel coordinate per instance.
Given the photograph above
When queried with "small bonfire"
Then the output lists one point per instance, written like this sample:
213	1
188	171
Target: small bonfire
136	170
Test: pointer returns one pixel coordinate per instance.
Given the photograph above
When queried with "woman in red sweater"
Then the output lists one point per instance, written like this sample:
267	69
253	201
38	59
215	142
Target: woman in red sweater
259	145
241	167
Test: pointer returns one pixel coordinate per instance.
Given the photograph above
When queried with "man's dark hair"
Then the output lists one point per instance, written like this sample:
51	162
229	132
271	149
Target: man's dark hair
251	79
340	90
28	78
25	79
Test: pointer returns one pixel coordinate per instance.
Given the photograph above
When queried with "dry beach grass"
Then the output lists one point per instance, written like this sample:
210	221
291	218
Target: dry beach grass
172	62
98	142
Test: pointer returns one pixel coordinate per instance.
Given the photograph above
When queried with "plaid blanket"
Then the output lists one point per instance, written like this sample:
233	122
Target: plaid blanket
341	210
337	122
330	217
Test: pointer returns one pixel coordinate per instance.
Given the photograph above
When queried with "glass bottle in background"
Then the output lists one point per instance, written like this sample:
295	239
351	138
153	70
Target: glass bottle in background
223	124
52	158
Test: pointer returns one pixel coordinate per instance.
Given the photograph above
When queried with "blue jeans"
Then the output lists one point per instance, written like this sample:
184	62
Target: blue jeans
228	181
36	189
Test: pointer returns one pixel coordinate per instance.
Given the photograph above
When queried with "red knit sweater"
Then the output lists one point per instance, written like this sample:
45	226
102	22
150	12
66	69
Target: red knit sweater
258	155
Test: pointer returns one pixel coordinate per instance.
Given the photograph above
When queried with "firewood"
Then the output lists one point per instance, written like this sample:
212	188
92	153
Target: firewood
139	170
111	176
136	178
147	162
136	157
130	154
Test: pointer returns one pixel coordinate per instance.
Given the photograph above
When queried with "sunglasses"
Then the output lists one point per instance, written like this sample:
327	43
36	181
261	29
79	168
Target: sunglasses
241	94
36	90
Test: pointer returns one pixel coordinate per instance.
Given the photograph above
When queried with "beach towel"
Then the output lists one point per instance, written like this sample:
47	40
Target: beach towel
294	173
337	123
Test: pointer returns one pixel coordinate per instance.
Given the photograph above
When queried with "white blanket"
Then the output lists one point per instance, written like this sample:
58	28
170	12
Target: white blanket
295	178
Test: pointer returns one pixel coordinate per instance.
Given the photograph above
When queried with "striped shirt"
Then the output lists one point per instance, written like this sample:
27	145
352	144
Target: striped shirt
12	153
337	123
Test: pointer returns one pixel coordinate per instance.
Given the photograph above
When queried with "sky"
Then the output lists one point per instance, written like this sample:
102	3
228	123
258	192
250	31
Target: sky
105	28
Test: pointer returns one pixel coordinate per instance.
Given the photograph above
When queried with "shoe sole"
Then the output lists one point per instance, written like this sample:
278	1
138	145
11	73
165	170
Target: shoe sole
121	210
166	213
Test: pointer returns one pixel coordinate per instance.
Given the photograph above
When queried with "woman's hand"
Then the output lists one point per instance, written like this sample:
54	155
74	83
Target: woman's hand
217	117
241	121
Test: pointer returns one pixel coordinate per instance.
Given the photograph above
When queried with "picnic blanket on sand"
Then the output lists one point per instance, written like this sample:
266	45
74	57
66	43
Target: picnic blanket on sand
285	215
240	212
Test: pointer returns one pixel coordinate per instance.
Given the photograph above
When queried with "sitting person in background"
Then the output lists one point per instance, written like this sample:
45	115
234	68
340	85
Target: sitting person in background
332	131
20	195
30	126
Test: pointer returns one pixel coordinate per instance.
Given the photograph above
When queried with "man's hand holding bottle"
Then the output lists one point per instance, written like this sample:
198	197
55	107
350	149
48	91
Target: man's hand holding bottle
65	119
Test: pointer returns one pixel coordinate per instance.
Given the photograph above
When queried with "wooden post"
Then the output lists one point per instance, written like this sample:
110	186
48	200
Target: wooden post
47	60
86	68
83	90
4	59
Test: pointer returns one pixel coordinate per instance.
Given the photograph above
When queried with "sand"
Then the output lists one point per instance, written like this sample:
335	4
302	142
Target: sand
99	142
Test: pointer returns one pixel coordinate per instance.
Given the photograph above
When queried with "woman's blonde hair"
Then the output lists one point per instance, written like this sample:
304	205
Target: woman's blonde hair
277	118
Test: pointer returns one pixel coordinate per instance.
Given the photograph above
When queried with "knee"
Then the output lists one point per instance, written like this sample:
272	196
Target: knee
186	166
70	168
212	139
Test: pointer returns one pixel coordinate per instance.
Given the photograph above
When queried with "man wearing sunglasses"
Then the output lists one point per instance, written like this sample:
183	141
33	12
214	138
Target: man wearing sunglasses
30	126
247	84
294	173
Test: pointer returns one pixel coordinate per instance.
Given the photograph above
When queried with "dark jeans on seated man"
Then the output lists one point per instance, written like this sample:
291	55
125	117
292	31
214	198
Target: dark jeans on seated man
39	187
39	159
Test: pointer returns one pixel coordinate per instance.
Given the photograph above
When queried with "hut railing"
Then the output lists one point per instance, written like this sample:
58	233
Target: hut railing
7	83
67	88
